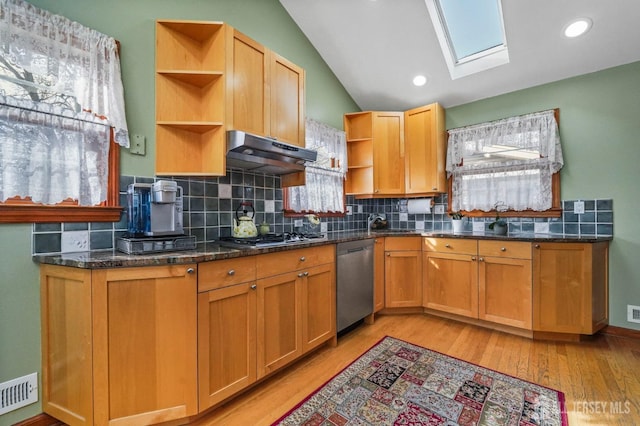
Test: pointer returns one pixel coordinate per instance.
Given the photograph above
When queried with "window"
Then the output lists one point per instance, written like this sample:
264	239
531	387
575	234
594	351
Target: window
323	192
514	163
61	115
471	34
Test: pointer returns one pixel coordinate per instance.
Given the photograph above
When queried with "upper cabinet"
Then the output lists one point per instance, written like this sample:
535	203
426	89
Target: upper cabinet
396	153
211	78
190	94
375	144
425	150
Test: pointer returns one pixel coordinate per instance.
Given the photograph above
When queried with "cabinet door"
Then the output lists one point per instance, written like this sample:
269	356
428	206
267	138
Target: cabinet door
451	283
403	279
505	291
388	153
287	101
570	287
425	150
318	305
248	98
144	328
378	274
279	335
226	342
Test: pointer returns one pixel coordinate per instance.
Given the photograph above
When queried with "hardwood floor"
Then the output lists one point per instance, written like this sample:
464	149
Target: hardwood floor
600	378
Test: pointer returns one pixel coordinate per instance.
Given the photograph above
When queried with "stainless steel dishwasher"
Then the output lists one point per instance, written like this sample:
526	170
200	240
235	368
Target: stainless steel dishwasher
354	295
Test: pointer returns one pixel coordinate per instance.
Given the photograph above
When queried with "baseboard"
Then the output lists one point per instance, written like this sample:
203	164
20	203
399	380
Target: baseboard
40	420
612	330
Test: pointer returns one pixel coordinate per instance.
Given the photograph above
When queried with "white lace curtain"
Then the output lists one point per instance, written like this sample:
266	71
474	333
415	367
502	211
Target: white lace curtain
506	162
54	71
323	191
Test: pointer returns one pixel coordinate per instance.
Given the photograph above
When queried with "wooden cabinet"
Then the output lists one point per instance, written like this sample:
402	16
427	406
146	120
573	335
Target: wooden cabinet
119	345
451	276
425	150
211	78
486	279
504	283
265	93
570	287
227	324
190	98
396	153
296	304
375	144
403	272
378	274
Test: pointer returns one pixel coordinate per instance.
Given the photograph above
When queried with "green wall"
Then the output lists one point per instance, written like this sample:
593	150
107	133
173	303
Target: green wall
599	128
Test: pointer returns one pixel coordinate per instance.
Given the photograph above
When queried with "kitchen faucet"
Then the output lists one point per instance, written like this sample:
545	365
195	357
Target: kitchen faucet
372	218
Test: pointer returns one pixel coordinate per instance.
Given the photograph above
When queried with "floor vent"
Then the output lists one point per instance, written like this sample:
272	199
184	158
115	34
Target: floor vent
633	313
18	392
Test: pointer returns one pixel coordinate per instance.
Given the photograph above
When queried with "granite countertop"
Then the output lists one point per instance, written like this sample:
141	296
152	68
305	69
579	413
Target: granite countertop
99	259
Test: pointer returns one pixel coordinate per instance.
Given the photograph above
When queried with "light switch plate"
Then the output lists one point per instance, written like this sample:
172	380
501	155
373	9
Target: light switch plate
439	209
404	217
349	210
359	208
419	226
224	190
578	207
323	227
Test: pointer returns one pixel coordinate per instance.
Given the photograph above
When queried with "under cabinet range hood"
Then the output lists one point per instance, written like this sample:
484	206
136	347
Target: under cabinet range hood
265	155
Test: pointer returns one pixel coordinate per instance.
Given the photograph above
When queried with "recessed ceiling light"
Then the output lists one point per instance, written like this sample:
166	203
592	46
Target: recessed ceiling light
419	80
577	27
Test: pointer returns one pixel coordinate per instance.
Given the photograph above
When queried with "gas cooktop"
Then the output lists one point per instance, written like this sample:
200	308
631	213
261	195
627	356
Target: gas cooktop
270	240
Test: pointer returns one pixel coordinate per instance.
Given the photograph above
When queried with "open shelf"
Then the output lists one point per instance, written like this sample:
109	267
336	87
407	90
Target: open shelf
182	101
181	151
190	45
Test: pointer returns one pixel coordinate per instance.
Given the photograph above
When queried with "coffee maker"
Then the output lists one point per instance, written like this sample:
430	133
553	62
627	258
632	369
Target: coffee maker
154	209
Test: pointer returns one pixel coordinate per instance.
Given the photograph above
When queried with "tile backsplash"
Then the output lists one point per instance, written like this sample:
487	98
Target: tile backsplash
210	203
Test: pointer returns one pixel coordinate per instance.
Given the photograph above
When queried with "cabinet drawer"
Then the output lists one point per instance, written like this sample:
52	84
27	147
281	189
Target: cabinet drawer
451	245
292	260
511	249
401	243
223	273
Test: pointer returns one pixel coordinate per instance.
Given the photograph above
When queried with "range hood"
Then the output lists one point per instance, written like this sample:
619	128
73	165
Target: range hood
265	155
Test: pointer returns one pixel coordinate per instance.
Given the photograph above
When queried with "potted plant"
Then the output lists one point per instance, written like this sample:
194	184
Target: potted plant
456	221
499	225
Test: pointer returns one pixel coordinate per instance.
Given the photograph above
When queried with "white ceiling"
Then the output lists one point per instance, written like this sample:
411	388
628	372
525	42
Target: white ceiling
376	47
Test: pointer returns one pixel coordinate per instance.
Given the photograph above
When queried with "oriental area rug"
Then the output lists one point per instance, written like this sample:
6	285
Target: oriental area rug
398	383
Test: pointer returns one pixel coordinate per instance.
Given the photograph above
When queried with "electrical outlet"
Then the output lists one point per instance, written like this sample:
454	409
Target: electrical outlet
578	207
419	226
349	210
323	227
72	241
359	208
269	206
541	227
137	145
439	209
404	217
478	226
224	190
297	223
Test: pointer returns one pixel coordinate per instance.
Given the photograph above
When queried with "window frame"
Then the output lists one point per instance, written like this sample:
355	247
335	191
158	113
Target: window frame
556	201
18	210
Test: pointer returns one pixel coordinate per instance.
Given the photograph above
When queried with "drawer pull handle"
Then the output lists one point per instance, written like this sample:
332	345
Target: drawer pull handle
190	271
231	272
503	249
447	245
302	259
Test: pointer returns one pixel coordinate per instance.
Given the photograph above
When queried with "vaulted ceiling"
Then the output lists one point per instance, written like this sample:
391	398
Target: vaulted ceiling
376	47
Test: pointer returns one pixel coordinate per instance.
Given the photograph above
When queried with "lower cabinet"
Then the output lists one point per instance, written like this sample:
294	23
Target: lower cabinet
296	309
403	272
378	274
119	345
485	279
570	287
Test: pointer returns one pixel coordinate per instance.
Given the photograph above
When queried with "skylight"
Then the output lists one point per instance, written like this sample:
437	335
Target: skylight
471	34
